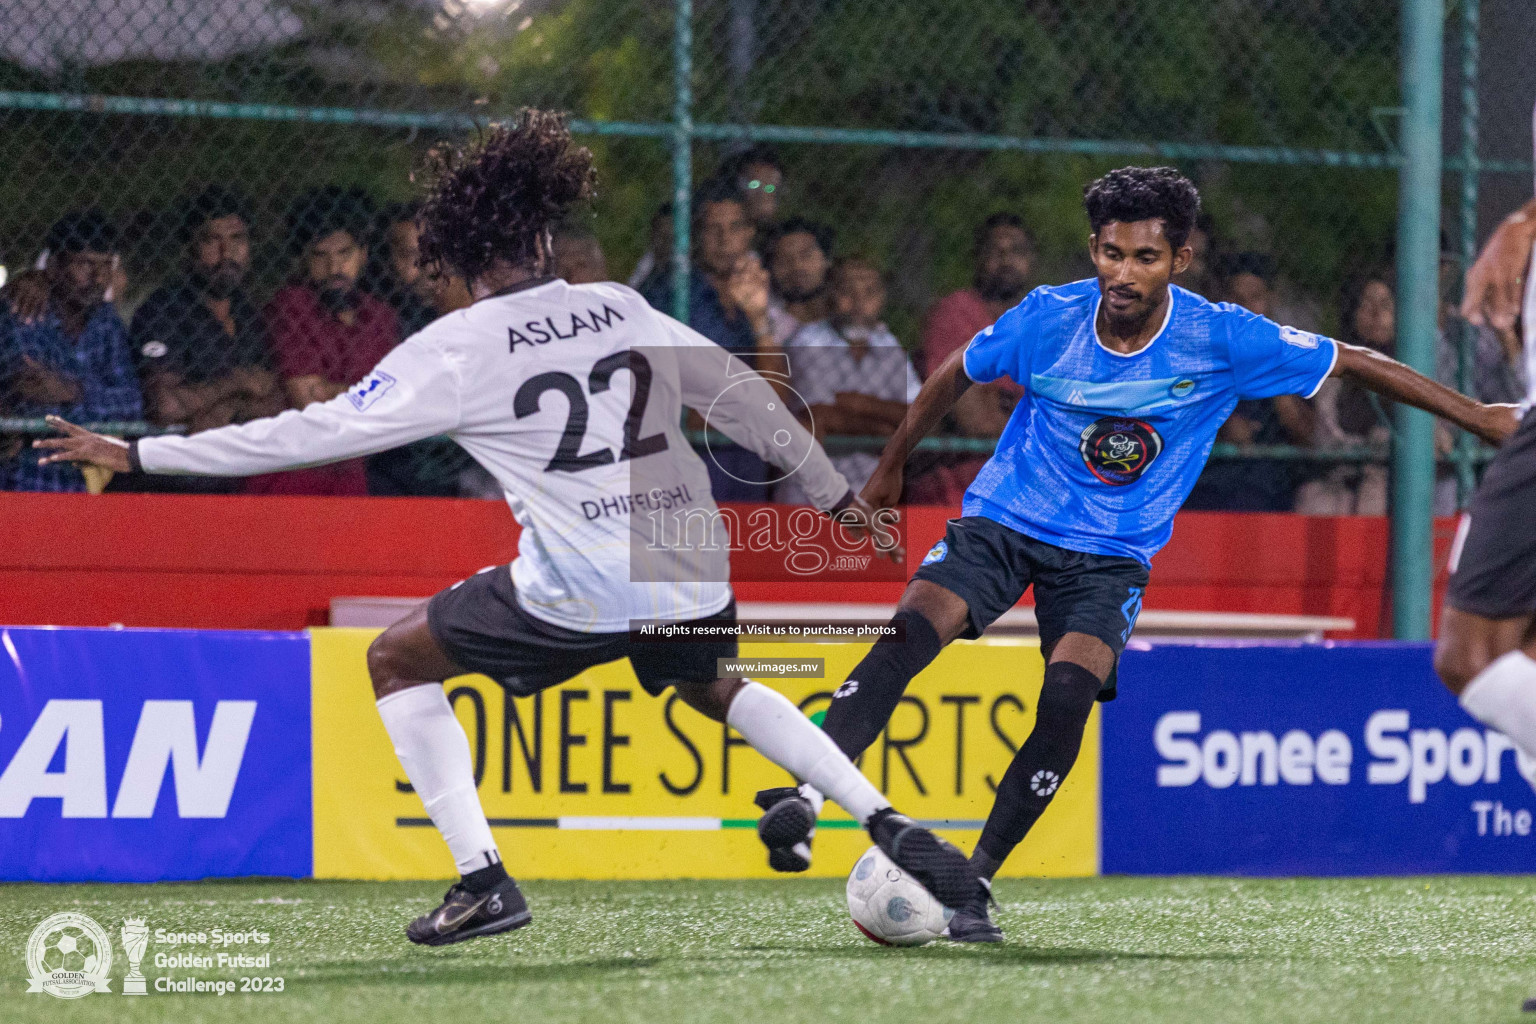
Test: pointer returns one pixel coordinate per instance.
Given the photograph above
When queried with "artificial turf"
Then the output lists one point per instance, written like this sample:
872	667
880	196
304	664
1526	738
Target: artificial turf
1138	950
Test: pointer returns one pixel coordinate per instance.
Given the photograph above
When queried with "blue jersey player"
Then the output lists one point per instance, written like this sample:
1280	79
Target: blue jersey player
1126	379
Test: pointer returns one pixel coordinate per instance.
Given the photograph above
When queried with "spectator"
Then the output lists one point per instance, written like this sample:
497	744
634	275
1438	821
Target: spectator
325	331
799	254
428	468
398	277
1255	485
71	357
1348	417
1004	254
849	373
728	304
659	256
578	256
758	178
202	351
1200	276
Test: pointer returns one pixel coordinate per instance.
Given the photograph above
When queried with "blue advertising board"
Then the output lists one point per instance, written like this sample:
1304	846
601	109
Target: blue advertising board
143	755
1305	759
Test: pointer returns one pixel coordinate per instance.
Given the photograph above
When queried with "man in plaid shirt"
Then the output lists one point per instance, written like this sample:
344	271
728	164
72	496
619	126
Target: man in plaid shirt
72	358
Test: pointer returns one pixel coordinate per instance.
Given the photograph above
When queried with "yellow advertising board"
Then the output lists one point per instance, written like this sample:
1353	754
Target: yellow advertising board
596	779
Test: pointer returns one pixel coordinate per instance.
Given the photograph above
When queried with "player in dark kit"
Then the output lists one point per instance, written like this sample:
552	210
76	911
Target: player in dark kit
1487	649
621	374
1127	379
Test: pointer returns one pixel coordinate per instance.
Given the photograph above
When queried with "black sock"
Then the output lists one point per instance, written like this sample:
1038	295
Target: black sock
1041	764
863	705
484	879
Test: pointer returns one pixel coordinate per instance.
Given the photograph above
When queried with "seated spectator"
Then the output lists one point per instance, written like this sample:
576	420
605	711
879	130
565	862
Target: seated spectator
397	276
70	355
849	374
578	256
1200	276
658	256
758	177
201	346
728	304
325	331
799	253
1348	416
1254	485
428	468
1004	254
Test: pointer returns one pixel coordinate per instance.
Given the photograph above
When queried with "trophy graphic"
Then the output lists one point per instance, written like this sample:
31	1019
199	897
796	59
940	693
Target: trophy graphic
135	938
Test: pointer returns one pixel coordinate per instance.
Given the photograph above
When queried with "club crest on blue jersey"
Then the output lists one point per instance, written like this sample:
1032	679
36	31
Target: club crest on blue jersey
1182	389
936	553
1118	450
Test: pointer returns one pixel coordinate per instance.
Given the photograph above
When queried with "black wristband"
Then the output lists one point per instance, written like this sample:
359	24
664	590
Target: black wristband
843	503
134	465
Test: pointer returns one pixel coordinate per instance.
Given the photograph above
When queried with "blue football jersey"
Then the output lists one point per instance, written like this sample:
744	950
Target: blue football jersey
1104	447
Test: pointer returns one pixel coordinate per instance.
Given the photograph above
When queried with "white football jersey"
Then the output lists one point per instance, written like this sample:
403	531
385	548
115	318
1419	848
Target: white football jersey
572	397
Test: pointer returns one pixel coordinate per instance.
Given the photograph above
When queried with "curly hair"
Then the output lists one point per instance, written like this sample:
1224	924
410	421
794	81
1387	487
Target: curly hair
497	197
1143	193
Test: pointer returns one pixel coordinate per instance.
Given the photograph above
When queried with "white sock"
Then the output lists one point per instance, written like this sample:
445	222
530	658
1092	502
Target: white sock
777	730
1503	696
434	752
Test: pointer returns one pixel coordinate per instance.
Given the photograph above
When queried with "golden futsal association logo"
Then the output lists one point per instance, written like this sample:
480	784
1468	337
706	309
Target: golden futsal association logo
69	956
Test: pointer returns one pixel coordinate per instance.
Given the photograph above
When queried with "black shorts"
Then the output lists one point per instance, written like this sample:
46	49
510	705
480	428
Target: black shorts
1493	561
481	627
990	566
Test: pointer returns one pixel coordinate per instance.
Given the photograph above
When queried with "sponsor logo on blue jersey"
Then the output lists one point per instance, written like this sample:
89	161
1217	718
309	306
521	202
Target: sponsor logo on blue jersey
1118	450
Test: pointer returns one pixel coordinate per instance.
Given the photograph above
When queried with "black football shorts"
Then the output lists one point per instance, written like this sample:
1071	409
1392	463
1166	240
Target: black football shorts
481	627
990	566
1493	561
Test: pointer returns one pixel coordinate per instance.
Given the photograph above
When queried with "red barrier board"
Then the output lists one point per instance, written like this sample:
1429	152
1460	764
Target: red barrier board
275	562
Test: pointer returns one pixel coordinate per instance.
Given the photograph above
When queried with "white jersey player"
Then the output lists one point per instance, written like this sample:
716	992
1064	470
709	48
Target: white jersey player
1487	648
572	397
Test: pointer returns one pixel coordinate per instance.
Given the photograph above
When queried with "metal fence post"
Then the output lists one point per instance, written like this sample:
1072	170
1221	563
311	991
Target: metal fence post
1466	444
1418	300
682	153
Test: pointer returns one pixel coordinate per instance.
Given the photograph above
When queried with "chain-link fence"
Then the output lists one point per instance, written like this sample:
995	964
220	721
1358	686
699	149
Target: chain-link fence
233	176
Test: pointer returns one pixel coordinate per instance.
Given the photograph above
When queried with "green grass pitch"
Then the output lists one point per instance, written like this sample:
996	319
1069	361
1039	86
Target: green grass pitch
776	952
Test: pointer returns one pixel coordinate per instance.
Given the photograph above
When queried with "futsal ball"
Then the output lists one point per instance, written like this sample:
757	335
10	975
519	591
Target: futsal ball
889	907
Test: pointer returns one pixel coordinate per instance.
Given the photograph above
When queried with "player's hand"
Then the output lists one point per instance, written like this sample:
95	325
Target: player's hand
80	446
883	489
858	518
1495	284
1498	422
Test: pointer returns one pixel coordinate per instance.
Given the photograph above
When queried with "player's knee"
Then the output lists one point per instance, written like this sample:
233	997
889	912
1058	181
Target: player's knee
711	698
385	663
1458	662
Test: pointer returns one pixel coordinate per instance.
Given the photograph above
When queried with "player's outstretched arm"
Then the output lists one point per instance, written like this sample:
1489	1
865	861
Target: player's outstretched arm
1391	379
938	395
411	395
